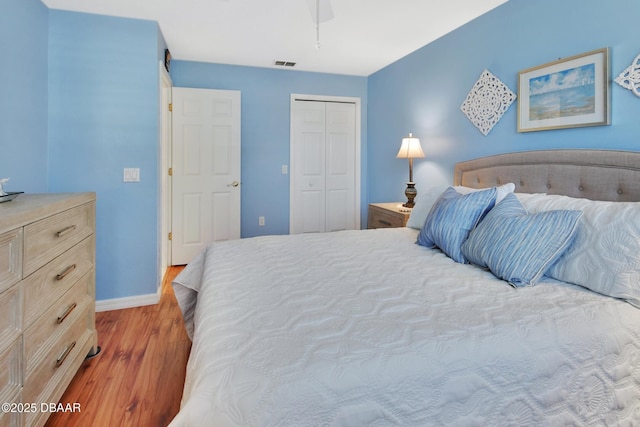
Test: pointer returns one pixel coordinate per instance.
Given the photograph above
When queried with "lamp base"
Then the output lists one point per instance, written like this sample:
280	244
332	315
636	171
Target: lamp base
411	194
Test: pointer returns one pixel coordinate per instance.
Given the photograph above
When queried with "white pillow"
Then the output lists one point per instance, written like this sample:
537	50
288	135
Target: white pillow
425	200
605	256
501	191
523	197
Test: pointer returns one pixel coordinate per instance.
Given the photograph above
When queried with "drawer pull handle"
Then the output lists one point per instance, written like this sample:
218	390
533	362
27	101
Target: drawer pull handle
382	221
67	312
65	272
65	353
66	231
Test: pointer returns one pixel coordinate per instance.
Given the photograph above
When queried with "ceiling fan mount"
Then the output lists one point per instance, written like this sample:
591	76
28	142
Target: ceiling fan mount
321	11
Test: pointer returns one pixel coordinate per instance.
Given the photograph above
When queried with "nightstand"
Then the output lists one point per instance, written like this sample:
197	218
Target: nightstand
387	215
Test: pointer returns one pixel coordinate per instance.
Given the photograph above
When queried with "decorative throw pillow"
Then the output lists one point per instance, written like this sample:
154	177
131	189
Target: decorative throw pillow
426	199
518	247
605	256
451	219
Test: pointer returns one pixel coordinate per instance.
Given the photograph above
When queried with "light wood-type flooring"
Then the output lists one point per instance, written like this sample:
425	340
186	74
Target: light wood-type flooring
138	377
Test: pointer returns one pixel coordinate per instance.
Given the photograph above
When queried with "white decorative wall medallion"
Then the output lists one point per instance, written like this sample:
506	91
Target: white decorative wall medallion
487	102
630	77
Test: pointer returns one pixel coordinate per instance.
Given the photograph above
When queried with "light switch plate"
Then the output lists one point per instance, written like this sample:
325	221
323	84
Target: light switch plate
131	175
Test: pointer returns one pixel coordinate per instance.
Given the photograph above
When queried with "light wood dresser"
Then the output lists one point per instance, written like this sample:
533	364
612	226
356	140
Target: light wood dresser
47	300
387	215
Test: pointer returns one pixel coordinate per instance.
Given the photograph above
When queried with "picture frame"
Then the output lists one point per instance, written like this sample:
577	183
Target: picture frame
567	93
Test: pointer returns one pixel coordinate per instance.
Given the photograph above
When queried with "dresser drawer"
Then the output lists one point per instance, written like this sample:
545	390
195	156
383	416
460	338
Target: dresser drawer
11	370
62	358
10	316
47	272
10	258
45	286
44	332
48	238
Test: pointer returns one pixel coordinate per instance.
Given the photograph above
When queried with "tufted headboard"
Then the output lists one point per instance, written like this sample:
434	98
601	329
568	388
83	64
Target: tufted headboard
591	174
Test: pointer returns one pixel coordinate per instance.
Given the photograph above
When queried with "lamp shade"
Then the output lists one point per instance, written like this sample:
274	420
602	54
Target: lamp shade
410	148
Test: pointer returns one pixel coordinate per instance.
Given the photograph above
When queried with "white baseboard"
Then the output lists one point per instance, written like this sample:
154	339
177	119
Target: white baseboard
127	302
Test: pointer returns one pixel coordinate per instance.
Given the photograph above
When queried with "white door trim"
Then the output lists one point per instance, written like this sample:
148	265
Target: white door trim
164	214
358	157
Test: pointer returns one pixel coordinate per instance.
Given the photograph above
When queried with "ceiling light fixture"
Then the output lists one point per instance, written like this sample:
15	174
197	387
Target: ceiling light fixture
320	12
317	24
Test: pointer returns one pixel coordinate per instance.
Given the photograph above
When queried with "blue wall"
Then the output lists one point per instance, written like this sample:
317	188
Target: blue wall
265	130
23	97
80	103
103	117
422	92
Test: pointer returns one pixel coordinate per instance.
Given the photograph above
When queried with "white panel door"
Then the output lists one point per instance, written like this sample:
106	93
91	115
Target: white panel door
205	170
323	167
340	169
308	168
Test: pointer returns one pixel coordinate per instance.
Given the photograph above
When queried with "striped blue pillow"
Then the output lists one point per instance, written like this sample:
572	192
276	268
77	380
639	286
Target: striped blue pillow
451	219
517	247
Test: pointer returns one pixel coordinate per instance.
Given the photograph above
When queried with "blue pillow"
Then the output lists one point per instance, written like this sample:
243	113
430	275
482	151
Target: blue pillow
451	219
517	247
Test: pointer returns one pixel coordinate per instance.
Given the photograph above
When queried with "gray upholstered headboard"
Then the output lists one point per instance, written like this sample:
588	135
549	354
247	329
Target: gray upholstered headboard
591	174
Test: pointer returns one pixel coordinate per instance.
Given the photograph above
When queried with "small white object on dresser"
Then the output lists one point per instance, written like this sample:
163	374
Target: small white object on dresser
47	300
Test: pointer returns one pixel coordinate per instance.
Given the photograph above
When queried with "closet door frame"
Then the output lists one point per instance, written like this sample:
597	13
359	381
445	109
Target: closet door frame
358	151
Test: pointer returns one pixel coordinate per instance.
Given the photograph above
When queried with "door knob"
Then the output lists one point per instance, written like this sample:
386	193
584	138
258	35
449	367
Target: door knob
233	184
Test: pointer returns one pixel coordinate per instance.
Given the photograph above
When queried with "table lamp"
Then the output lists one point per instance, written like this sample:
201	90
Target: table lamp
410	149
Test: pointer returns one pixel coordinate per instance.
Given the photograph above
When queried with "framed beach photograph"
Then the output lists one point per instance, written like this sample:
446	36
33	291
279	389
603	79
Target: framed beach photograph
570	92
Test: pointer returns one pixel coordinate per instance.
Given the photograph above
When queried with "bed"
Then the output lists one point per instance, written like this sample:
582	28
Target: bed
368	328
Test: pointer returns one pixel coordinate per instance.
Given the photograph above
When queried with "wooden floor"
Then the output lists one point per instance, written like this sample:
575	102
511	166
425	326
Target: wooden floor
138	377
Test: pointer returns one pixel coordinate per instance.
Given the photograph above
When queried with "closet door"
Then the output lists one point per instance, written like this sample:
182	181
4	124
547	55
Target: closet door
308	167
340	203
323	167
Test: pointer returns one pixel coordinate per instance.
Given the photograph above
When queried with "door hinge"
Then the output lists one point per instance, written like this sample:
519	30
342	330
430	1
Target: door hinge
170	236
171	107
170	171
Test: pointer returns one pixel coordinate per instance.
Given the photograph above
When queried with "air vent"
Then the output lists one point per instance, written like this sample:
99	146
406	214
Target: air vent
284	63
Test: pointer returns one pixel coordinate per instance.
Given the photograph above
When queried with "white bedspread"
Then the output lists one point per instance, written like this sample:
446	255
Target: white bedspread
365	328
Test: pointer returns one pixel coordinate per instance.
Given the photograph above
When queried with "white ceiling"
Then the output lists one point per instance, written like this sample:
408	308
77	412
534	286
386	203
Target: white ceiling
363	37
